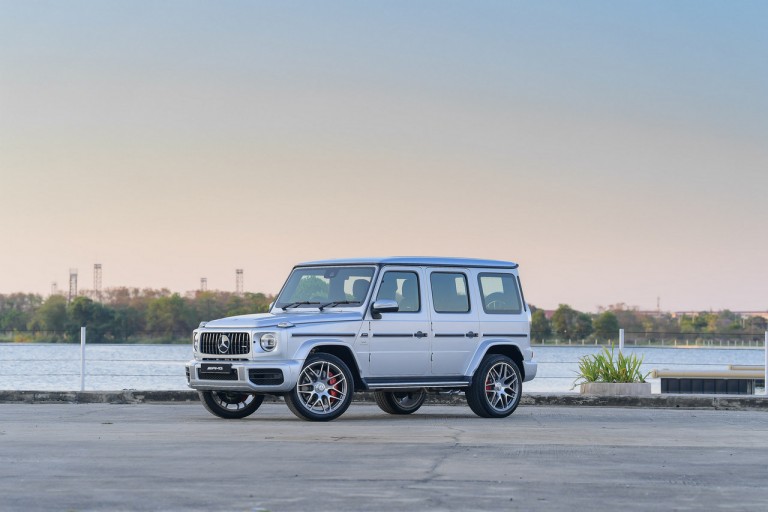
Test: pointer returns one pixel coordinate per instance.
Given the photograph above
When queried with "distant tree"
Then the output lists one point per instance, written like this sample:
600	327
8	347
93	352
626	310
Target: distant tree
606	325
726	321
127	322
564	321
540	327
17	309
51	315
257	302
208	305
664	323
698	323
685	323
583	326
757	323
629	318
234	304
96	317
702	321
170	315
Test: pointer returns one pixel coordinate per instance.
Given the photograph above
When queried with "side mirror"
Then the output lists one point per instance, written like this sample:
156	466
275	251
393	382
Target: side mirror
383	306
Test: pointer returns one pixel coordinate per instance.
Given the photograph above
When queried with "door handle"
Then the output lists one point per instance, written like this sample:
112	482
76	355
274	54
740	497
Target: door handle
421	334
471	334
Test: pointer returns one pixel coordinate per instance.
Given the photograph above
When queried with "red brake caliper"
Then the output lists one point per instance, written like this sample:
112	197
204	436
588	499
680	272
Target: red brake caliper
332	381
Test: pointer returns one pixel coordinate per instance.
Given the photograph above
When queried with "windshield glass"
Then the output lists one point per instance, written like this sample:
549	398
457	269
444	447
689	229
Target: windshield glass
326	286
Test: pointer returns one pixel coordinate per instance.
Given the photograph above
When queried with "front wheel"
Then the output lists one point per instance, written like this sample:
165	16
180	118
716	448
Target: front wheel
496	387
400	402
324	389
230	404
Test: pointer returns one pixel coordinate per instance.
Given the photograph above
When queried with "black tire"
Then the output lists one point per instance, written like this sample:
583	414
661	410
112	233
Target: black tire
496	387
231	405
400	402
323	390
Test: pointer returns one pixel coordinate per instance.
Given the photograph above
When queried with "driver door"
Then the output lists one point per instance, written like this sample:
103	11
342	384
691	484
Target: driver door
400	342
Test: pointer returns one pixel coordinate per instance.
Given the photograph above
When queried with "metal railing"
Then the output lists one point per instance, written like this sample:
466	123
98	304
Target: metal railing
120	368
94	336
662	339
63	363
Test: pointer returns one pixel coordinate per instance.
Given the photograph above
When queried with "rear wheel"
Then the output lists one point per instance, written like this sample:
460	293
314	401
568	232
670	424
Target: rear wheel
230	404
324	389
496	387
400	402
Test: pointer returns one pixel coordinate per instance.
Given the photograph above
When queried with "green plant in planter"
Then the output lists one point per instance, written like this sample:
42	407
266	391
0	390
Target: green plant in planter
603	367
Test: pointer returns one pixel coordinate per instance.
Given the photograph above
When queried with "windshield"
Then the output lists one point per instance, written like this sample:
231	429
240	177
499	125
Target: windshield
324	287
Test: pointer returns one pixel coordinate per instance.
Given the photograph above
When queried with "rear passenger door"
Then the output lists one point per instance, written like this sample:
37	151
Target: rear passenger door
455	323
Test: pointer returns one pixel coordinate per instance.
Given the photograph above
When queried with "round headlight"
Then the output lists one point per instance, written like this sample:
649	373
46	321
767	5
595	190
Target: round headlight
195	340
268	341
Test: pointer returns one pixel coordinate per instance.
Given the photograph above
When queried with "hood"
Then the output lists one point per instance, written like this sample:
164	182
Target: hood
260	320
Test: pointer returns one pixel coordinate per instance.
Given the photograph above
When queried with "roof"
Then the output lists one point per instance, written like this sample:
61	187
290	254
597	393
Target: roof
425	261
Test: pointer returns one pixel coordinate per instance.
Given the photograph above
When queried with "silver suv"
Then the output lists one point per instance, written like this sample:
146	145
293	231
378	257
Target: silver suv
399	327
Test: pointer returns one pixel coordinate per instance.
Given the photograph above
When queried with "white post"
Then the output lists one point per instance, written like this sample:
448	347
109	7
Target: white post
621	340
82	358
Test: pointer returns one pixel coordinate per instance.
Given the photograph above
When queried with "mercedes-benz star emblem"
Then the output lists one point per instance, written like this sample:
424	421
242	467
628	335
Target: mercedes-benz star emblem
224	344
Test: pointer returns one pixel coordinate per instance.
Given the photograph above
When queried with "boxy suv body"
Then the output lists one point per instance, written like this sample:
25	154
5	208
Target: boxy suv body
399	327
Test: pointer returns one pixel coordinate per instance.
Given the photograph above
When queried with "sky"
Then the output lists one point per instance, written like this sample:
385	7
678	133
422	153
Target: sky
618	151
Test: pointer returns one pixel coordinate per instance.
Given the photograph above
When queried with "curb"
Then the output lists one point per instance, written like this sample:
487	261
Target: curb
666	401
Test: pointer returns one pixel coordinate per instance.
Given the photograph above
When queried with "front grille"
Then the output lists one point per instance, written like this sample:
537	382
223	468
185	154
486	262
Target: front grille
232	375
266	376
237	343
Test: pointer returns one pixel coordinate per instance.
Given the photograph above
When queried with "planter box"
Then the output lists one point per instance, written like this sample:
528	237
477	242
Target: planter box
616	389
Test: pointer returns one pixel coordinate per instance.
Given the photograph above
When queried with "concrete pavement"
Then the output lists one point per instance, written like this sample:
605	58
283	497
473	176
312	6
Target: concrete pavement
179	457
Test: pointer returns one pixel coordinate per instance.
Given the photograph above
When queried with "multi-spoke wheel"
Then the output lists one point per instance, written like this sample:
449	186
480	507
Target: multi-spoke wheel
230	404
324	389
496	387
400	402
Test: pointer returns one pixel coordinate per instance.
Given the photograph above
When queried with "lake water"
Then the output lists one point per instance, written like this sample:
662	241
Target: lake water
56	367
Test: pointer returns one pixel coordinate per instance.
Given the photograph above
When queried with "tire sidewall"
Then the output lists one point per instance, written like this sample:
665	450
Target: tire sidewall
210	404
478	400
389	404
295	403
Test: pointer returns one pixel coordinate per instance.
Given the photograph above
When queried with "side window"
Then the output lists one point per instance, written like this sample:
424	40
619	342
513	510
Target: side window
402	287
449	292
500	294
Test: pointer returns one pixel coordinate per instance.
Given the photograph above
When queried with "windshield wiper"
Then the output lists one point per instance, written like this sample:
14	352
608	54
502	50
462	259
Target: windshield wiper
337	303
297	303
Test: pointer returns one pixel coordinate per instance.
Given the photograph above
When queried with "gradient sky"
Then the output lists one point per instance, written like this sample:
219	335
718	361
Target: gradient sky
617	150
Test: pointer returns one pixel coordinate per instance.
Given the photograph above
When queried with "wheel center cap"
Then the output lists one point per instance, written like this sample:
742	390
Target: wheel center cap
319	387
499	387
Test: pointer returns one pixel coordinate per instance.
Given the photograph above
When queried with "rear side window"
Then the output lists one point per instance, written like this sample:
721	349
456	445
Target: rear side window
449	292
500	294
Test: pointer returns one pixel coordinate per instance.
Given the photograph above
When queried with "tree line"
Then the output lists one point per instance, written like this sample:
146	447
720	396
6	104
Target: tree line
132	314
120	314
566	323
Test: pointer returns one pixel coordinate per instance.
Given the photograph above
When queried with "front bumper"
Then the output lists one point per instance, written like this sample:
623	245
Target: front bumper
245	376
